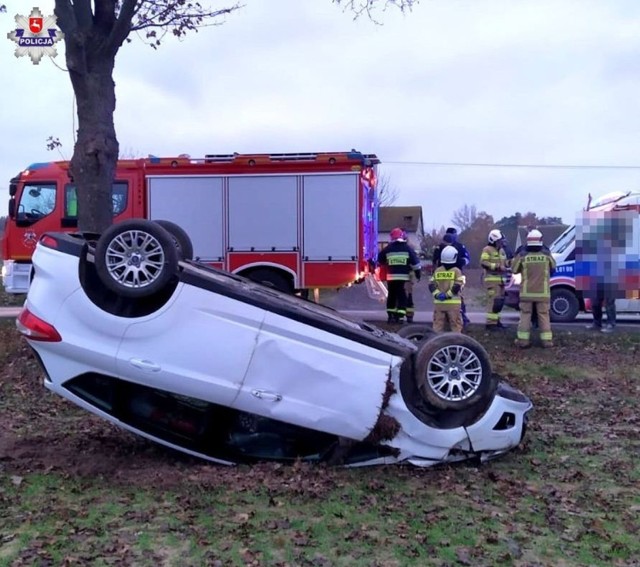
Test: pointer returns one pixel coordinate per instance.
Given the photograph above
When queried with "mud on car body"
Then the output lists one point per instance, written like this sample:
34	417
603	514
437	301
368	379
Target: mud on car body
128	327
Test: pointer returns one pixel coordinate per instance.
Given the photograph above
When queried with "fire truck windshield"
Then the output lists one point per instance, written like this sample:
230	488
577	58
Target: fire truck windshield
37	201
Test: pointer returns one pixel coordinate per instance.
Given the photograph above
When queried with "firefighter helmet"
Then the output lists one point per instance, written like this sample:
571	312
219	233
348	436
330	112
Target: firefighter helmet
534	238
449	255
495	236
397	234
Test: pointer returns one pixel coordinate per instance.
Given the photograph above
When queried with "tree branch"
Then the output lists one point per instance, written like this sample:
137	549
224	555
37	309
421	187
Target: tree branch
105	12
83	13
362	7
65	17
122	27
169	13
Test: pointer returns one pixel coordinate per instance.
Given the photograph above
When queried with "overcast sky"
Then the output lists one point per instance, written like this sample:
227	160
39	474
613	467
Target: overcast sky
540	82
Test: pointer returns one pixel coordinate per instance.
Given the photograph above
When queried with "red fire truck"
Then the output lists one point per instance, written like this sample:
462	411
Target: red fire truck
294	221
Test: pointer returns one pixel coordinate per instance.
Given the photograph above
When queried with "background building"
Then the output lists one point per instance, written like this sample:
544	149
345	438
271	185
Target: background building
408	218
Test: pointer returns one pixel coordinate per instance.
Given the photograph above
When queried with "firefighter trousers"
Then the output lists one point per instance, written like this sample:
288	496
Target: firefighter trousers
396	300
544	322
443	314
408	290
495	294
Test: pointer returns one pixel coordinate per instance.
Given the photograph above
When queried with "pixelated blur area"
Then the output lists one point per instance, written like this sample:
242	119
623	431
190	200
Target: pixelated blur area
608	253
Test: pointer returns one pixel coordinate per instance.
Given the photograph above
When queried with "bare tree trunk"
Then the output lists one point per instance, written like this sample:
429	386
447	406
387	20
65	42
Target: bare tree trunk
92	39
95	154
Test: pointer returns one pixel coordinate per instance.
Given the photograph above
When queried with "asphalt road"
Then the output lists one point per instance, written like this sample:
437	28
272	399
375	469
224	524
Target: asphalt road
509	318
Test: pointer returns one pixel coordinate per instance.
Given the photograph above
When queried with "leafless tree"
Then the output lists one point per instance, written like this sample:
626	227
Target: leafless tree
464	217
94	31
369	7
387	193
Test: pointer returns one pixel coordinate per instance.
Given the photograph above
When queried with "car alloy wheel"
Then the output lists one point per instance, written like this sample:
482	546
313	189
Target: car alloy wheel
453	372
136	258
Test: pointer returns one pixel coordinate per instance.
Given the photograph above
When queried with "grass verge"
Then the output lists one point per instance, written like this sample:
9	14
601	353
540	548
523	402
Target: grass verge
77	491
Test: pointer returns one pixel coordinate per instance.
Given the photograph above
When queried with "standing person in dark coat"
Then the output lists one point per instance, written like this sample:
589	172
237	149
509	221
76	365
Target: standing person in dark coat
400	260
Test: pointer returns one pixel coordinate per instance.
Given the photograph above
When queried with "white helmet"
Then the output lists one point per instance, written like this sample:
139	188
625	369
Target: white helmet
449	255
534	238
494	236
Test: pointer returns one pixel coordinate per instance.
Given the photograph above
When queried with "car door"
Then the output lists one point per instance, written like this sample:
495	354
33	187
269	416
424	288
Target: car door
197	345
310	377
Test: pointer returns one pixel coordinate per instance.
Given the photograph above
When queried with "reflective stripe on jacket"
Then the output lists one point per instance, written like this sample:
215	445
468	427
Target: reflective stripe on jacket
536	267
445	279
400	260
494	262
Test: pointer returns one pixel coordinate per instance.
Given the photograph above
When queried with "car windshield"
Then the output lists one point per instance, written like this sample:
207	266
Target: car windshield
561	243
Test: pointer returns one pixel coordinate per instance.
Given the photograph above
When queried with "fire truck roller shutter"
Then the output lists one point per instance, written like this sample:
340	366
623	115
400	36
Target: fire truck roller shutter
194	203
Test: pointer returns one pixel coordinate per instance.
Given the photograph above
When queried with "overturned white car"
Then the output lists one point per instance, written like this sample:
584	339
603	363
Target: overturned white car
126	326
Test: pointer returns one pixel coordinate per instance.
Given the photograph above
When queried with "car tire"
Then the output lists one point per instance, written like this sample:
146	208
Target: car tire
136	258
271	279
564	306
180	238
416	333
453	372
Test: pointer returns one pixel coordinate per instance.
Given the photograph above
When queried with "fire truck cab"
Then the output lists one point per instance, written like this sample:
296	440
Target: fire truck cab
292	221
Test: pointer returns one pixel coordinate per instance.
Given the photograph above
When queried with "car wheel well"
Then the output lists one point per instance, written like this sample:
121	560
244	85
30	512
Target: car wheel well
114	303
429	415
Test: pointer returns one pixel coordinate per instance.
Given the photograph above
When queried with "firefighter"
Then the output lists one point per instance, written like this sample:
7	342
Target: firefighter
450	238
400	260
408	289
493	260
446	284
536	264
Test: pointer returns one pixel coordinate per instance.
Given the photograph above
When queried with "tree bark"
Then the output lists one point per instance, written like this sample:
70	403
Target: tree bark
90	57
95	154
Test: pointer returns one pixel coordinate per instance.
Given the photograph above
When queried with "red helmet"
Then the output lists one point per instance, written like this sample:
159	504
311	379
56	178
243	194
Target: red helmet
397	234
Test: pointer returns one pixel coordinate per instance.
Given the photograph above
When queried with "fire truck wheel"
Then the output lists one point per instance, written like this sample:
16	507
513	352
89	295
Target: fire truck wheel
271	279
136	258
180	238
416	333
453	372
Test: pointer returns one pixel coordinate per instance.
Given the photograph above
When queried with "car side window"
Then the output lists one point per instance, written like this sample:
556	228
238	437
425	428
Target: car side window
119	198
37	201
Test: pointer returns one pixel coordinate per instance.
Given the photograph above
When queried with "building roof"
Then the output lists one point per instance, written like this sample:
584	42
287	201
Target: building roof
409	218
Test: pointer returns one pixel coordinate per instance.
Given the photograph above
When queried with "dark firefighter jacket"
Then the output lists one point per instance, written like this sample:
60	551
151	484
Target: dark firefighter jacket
400	260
